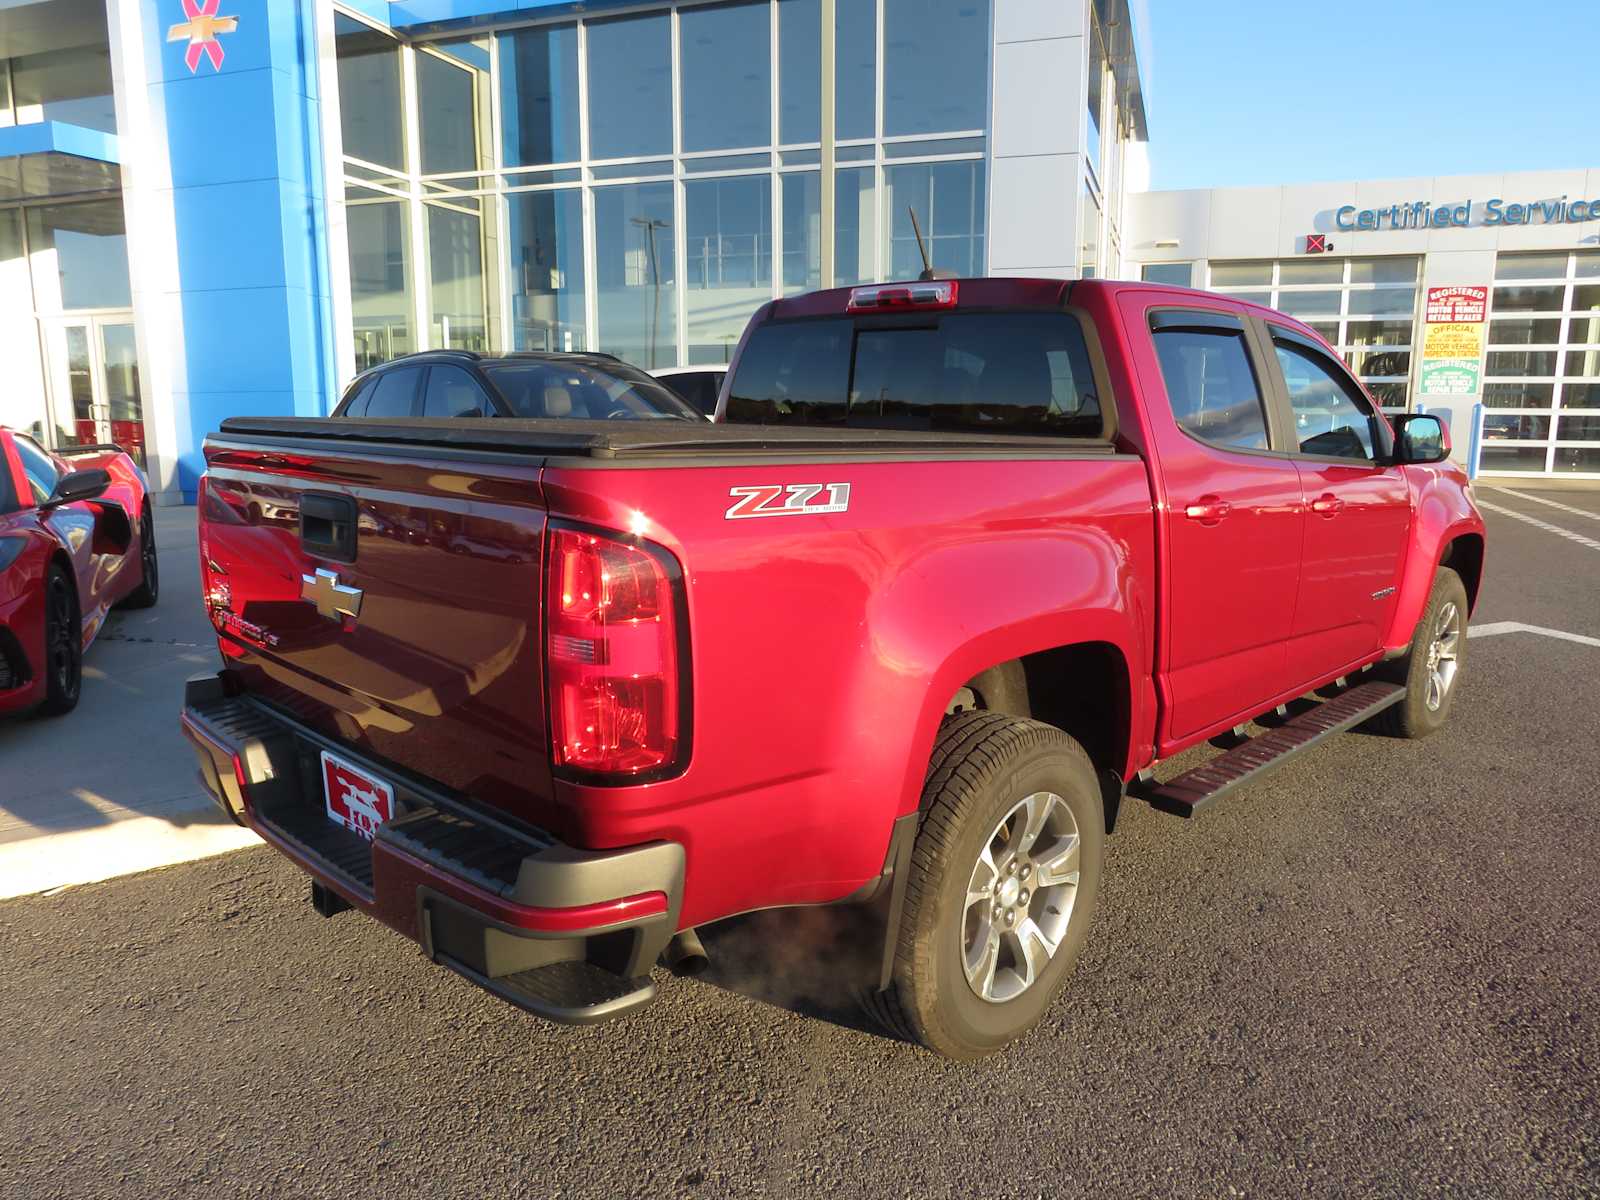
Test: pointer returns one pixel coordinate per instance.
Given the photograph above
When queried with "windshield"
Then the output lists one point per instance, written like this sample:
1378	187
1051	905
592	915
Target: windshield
582	391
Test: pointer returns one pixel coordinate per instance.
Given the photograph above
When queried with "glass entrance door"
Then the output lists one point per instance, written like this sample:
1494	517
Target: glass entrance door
93	368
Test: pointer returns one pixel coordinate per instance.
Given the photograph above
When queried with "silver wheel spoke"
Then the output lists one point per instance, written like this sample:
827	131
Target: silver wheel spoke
1059	865
1033	951
1035	809
982	959
984	875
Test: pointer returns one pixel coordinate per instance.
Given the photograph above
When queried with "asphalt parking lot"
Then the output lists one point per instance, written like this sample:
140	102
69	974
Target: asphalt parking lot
1374	973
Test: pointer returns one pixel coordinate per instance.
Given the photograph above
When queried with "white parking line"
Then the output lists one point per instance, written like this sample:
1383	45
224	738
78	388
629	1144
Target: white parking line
1580	512
1544	525
1497	627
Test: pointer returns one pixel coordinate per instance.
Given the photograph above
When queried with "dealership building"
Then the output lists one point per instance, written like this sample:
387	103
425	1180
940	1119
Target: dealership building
215	207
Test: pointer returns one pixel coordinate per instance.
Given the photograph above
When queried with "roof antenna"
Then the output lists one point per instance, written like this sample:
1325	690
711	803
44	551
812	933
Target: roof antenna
928	271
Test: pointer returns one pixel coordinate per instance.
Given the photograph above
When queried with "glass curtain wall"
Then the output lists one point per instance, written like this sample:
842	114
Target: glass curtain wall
1541	391
1364	307
559	187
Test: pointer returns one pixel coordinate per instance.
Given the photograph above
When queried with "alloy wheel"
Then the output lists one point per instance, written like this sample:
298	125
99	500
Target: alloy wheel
1442	655
1020	897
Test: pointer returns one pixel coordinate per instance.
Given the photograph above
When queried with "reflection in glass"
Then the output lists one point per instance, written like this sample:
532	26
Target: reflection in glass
1512	458
1528	299
1583	331
1311	270
1521	427
630	86
452	90
71	85
935	65
546	234
120	355
1328	331
635	280
725	52
1383	301
380	292
461	301
1579	429
78	392
1233	274
22	400
802	218
1521	362
80	256
800	71
853	244
1587	264
1174	274
949	200
1090	215
1520	395
1580	395
1095	92
1573	458
729	270
1319	303
1524	331
1582	364
370	108
1378	333
1531	266
855	67
1382	270
1387	362
1586	298
539	95
1388	395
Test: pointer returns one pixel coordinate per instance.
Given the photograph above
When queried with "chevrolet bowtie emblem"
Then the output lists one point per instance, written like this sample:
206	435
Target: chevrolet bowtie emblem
333	599
200	31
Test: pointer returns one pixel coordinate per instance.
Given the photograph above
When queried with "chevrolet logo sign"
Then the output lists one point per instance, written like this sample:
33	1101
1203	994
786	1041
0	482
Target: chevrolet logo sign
333	599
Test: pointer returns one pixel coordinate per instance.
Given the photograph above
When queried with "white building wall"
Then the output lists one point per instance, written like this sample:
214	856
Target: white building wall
1037	129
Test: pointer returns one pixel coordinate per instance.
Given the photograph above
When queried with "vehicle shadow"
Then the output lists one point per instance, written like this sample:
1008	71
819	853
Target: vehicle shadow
814	962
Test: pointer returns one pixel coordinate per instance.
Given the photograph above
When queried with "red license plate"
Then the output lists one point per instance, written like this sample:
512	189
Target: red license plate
355	799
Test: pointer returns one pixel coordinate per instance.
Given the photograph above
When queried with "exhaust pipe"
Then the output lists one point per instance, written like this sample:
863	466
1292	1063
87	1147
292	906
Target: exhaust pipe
685	955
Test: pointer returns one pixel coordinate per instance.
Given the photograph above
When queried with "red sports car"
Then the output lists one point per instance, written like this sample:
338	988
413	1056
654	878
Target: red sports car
76	537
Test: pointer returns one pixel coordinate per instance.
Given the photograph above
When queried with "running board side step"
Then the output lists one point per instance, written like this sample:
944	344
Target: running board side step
1186	794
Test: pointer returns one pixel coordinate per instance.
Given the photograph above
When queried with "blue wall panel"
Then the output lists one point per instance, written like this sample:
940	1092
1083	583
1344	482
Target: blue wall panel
244	142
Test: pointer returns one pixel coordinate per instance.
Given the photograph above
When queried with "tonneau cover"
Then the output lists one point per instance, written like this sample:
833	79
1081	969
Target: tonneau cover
630	439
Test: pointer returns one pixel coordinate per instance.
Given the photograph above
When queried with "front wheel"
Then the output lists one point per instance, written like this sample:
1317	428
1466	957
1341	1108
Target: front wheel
1431	669
1002	886
149	589
63	645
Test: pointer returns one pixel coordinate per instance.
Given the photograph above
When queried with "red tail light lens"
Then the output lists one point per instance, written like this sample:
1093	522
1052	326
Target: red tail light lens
612	653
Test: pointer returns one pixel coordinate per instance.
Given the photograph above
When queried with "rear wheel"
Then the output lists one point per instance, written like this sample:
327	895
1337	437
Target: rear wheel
1003	881
63	645
149	589
1431	669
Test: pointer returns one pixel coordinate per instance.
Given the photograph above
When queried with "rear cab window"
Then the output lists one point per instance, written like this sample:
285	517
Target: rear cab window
1000	372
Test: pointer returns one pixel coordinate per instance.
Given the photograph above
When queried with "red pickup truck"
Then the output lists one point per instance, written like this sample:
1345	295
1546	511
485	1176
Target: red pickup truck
957	566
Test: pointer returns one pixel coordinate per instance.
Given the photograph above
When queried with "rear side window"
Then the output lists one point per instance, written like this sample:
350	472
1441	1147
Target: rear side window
356	404
696	388
453	393
394	395
1212	387
1023	373
585	392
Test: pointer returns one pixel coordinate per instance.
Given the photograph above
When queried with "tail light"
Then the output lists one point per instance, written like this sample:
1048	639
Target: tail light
616	683
927	294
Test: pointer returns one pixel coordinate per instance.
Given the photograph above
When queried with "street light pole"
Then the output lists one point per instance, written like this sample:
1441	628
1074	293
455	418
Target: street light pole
650	225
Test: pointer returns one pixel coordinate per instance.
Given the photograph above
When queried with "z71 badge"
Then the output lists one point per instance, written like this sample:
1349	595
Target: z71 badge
788	500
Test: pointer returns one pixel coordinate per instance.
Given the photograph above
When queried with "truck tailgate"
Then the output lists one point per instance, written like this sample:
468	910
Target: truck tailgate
389	598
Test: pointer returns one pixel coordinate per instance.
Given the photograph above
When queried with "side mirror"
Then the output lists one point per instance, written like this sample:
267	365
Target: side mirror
80	485
1420	438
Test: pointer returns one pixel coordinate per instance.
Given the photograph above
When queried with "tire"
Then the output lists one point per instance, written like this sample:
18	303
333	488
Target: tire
149	589
63	644
987	769
1427	704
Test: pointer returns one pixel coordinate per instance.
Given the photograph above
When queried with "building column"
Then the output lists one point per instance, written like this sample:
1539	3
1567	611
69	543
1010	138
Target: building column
219	106
1036	136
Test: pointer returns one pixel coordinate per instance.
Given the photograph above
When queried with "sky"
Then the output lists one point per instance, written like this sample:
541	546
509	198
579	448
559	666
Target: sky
1250	92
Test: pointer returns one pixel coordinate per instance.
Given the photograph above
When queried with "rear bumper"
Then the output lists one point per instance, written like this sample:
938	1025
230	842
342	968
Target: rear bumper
564	933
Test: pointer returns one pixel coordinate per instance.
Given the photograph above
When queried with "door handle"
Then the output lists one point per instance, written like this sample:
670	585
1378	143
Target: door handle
1327	505
1208	510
